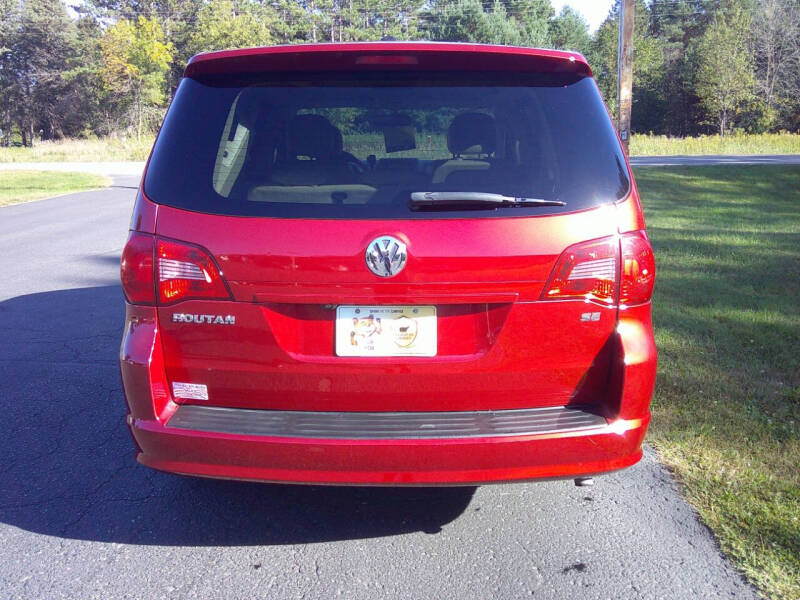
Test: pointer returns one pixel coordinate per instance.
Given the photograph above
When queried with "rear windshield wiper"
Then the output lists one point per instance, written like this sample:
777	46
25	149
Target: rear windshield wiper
487	199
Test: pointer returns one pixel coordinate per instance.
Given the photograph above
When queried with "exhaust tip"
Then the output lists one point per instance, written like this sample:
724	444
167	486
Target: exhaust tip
584	481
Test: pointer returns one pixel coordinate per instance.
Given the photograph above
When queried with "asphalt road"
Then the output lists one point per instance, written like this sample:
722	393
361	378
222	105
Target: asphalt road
80	519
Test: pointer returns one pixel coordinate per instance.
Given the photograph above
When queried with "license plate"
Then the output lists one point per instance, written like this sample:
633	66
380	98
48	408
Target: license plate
386	331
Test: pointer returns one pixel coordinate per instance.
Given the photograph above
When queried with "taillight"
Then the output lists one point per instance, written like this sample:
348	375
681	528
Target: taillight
587	270
185	271
181	271
136	269
638	269
602	270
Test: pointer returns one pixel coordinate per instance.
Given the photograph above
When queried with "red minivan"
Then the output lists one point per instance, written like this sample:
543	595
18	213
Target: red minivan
388	263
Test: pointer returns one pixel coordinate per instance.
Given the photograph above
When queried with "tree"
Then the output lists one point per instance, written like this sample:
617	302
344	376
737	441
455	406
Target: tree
292	24
725	79
678	27
569	31
222	24
603	59
510	22
9	21
177	19
648	109
500	29
532	18
136	59
369	20
776	41
37	41
466	21
86	99
115	65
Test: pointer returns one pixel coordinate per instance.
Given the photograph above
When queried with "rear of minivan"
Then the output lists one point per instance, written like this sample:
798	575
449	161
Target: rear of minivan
388	263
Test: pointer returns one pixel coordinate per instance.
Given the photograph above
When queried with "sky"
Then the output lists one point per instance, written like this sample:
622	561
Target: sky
594	11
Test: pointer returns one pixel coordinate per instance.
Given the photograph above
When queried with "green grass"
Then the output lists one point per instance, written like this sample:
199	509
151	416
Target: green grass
23	186
79	150
116	149
765	143
726	413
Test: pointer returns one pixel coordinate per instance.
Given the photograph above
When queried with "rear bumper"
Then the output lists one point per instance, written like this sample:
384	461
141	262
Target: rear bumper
212	448
439	461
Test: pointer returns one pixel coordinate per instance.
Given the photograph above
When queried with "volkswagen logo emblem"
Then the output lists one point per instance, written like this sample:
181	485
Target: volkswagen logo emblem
386	256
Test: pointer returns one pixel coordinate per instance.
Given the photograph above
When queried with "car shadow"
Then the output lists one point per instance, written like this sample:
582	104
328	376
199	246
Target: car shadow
102	260
67	458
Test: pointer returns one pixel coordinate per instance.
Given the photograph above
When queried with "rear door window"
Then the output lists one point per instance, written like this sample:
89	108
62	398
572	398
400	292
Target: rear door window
295	147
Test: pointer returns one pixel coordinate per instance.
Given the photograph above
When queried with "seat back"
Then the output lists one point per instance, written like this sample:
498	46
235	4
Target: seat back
312	153
471	139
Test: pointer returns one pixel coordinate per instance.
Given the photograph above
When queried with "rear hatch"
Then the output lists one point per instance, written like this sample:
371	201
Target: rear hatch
275	187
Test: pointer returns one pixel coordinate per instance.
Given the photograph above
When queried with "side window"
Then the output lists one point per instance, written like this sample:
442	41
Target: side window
230	153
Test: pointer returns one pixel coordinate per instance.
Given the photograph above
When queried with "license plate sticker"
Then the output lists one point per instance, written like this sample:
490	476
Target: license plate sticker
386	331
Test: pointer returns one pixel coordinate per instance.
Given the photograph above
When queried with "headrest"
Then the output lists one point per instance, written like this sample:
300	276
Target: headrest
248	109
472	129
312	136
338	141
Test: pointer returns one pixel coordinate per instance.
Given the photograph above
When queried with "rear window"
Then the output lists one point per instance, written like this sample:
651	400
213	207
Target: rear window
357	149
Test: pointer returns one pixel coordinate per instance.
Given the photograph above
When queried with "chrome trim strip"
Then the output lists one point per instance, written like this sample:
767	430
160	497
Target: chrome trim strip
385	425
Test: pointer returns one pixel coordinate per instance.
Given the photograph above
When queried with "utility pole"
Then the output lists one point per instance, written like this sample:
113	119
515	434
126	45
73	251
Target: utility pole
625	72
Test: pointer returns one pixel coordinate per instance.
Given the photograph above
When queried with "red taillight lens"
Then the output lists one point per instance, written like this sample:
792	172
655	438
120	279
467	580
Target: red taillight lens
136	269
184	271
592	270
588	271
638	269
180	272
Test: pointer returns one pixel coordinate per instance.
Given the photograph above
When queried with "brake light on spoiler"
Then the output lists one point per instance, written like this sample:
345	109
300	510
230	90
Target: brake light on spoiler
160	271
386	59
606	271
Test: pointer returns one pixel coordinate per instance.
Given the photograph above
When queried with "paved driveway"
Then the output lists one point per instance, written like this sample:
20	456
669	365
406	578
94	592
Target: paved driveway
80	519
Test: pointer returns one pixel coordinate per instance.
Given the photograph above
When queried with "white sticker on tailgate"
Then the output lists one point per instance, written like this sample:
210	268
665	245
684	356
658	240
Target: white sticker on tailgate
386	331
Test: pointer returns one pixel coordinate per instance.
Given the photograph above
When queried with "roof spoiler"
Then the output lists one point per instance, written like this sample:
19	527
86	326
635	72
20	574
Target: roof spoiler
422	56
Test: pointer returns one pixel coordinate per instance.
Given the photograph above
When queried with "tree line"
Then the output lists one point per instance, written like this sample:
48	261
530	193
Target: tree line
109	67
